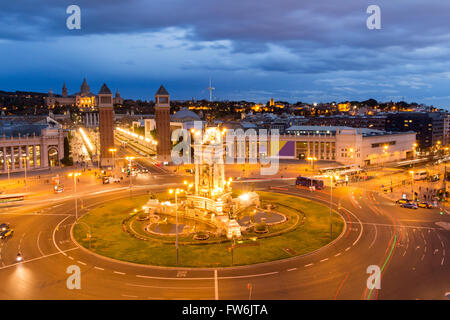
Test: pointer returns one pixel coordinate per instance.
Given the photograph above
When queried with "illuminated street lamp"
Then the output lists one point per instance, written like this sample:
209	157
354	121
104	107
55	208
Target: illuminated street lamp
176	192
331	203
25	162
131	176
113	150
312	159
75	175
412	182
8	164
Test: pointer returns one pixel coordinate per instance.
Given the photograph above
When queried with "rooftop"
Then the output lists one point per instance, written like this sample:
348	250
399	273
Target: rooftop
366	132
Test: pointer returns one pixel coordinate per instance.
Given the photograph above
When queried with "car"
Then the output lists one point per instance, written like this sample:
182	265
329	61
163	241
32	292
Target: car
144	170
4	227
6	234
108	180
409	205
423	204
58	188
403	201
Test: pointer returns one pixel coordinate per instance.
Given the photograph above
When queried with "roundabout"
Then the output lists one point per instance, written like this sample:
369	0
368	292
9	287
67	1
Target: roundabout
335	271
283	226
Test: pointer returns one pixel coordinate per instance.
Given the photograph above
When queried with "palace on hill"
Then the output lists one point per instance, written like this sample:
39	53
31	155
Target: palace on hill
84	99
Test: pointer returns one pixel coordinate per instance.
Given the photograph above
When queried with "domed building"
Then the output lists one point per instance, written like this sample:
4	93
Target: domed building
185	115
84	99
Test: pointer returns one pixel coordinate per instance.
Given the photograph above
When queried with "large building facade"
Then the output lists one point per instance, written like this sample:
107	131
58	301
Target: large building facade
429	126
360	146
84	99
345	145
34	145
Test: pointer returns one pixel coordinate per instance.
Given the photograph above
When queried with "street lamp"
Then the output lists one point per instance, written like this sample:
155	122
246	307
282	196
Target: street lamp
8	163
131	176
89	235
113	150
331	204
412	183
176	192
312	159
25	158
75	175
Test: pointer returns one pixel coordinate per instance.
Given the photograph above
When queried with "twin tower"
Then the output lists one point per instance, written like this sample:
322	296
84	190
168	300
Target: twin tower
106	125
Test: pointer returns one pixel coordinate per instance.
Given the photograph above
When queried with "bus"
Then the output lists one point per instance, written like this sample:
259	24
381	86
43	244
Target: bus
354	168
420	175
6	198
309	182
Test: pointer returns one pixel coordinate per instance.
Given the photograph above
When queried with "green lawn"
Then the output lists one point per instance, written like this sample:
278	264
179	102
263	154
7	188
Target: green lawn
110	240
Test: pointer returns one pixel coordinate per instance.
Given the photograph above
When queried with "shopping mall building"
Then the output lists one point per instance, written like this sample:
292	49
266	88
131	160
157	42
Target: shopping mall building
346	145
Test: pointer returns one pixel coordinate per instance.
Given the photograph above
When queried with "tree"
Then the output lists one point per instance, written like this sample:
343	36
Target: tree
67	160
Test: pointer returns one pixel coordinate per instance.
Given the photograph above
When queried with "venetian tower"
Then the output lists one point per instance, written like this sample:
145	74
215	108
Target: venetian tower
162	119
106	125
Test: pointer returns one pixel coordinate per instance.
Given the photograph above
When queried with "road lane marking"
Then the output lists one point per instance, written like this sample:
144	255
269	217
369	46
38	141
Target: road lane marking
216	285
37	242
166	278
308	265
158	287
347	249
98	268
38	258
375	237
81	262
250	275
128	296
337	254
117	272
323	260
54	236
293	269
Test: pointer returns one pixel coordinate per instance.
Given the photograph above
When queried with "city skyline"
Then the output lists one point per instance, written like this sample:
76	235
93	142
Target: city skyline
310	52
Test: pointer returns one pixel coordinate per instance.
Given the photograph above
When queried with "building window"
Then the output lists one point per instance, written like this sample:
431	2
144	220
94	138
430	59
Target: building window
16	157
38	156
31	155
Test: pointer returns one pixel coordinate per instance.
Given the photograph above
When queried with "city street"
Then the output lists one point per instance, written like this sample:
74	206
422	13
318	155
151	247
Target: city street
410	245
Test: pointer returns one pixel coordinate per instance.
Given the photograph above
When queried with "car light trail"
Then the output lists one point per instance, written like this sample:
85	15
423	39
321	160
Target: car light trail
86	139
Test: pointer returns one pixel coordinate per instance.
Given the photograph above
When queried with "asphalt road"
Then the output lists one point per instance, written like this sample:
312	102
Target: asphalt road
408	245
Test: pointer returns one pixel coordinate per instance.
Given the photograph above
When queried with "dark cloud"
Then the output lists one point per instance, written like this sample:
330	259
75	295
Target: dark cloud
327	38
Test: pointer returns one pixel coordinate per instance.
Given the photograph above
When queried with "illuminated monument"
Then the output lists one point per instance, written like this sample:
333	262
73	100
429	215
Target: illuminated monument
162	119
212	192
106	123
212	196
209	198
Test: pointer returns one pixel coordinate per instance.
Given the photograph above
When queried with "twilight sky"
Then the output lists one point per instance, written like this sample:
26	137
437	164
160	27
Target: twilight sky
307	50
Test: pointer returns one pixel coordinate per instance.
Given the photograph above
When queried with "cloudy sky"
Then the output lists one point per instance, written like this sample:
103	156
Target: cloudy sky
295	50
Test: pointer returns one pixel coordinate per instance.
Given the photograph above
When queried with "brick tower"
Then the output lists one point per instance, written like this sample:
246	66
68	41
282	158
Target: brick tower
106	126
162	119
